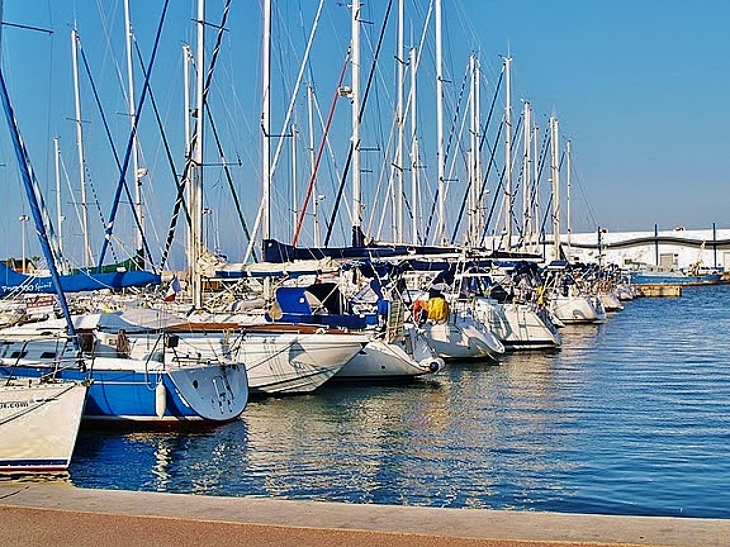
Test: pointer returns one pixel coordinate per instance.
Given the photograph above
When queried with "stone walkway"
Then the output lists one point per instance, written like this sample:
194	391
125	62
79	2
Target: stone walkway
59	514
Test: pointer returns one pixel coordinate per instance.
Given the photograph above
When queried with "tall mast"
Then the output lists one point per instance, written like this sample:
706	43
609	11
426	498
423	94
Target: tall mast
441	232
508	153
196	205
295	202
415	197
136	173
479	212
266	121
555	179
567	195
315	201
527	174
399	146
188	173
59	212
473	153
80	148
536	191
32	191
355	98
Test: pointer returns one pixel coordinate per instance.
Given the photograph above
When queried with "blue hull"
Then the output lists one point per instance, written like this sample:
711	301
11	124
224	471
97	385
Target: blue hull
120	395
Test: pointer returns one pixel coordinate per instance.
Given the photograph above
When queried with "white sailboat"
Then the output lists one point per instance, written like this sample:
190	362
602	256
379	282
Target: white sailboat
39	423
519	325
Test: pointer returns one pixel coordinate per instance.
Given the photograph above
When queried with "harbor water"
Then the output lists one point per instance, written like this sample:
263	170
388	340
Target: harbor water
631	417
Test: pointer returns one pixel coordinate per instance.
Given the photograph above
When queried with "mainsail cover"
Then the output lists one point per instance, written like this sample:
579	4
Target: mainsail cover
15	282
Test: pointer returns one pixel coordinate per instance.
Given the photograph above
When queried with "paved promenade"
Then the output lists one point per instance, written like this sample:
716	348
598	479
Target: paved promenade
58	514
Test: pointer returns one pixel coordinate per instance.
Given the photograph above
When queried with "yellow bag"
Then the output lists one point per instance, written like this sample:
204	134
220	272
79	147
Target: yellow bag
438	309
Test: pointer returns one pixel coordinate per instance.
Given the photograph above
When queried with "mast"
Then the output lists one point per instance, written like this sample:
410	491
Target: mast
295	203
567	195
415	197
478	209
508	154
555	179
535	206
187	60
357	236
473	154
315	202
80	147
399	146
136	173
441	232
59	212
527	174
196	204
33	192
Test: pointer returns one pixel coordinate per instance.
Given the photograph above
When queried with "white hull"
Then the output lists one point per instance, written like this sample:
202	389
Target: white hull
39	423
518	326
611	302
577	309
291	362
462	337
381	360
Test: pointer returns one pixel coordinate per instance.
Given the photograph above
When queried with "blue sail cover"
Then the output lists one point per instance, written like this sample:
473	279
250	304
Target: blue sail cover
12	281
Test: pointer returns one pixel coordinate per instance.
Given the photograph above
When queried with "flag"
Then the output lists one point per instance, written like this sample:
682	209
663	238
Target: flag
173	289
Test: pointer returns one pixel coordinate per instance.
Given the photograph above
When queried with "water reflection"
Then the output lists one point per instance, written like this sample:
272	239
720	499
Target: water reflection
630	417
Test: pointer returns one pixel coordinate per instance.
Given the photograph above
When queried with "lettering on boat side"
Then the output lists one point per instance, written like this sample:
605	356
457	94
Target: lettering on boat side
14	404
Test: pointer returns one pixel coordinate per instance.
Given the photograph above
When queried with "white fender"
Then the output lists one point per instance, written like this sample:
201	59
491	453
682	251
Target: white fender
160	399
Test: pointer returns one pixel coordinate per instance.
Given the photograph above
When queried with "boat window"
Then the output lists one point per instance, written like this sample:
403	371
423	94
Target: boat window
18	354
48	355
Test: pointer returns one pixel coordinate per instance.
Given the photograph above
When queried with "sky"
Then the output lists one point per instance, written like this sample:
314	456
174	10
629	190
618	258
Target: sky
640	89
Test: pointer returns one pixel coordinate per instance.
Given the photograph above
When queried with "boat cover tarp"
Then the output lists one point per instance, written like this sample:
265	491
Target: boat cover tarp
275	251
295	304
12	281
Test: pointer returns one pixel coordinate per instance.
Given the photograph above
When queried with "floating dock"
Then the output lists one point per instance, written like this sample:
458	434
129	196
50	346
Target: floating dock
658	290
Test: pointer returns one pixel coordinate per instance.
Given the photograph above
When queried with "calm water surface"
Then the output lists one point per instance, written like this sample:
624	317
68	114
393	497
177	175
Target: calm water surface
630	417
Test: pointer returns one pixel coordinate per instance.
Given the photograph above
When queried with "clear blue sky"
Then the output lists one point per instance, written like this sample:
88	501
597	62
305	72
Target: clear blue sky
640	89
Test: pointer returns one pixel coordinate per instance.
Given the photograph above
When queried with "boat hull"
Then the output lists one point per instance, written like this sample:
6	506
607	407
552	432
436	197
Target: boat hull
518	326
39	423
138	390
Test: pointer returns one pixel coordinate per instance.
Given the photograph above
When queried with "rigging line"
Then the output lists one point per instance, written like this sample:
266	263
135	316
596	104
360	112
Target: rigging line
179	198
499	186
107	130
447	152
502	125
98	204
168	152
130	141
302	68
491	160
313	177
494	203
362	110
229	177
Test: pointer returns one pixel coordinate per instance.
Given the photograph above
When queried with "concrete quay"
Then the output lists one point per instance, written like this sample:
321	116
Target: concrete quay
59	514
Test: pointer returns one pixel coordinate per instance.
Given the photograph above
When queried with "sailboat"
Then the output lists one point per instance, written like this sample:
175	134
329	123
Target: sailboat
135	378
39	423
39	418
